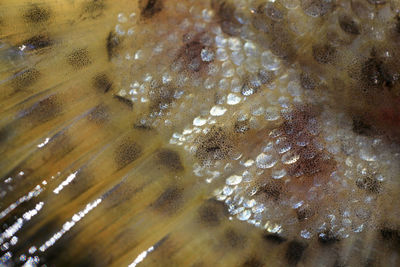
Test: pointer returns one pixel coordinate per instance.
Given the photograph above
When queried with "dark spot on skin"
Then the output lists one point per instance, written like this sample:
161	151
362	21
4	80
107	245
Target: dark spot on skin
234	239
4	135
316	8
124	101
241	126
253	262
46	109
215	145
25	79
361	127
79	58
369	184
161	98
226	17
170	159
170	200
294	252
102	83
93	9
113	42
391	236
304	212
274	12
37	14
126	152
271	190
149	8
307	81
324	53
327	238
274	238
265	77
37	42
374	74
99	114
348	25
212	212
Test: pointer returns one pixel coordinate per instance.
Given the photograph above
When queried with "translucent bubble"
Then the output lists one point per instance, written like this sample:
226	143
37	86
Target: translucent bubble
227	191
207	55
272	114
227	69
249	203
233	99
269	61
199	121
367	155
282	145
278	174
237	57
234	180
250	49
244	215
290	157
265	161
217	111
234	43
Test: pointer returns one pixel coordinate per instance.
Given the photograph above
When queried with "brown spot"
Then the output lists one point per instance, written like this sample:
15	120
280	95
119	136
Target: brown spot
369	184
241	126
253	262
274	238
316	8
93	9
161	97
126	102
149	8
375	74
361	127
170	159
272	190
79	58
45	109
170	200
37	14
294	252
102	83
212	212
215	145
226	17
324	53
234	239
25	79
99	114
307	81
37	42
304	212
348	25
112	44
126	152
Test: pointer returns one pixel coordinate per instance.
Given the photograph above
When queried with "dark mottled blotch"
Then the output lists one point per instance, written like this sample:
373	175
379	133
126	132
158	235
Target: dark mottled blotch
324	53
274	238
79	58
93	9
126	152
348	25
112	44
37	14
212	212
215	145
170	159
370	184
37	42
25	79
45	109
149	8
102	83
328	238
99	114
234	238
170	200
294	252
253	262
125	101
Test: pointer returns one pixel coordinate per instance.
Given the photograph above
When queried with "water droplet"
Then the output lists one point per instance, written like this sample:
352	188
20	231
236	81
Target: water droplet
234	180
290	157
367	155
198	121
269	61
233	99
244	215
207	55
271	114
217	111
278	174
265	161
282	145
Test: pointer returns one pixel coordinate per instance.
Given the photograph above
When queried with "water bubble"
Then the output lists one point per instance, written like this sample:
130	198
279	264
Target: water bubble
244	215
278	174
217	111
290	157
269	61
272	114
206	55
198	121
265	161
234	180
233	99
282	145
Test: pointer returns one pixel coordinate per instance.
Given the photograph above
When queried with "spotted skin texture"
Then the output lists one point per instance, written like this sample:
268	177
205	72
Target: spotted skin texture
199	133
